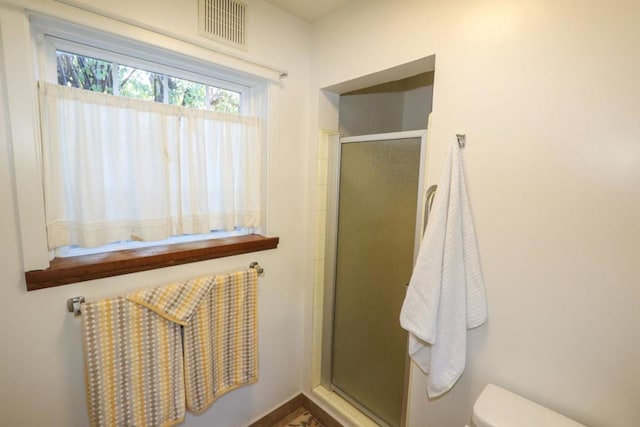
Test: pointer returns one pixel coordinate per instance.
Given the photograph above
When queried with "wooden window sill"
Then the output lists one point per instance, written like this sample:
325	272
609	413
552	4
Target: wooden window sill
63	271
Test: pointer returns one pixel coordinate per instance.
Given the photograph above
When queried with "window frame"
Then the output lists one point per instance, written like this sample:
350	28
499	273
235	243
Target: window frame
48	45
23	32
47	48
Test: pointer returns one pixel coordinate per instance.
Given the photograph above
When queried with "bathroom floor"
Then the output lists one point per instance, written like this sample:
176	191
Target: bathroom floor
299	418
300	411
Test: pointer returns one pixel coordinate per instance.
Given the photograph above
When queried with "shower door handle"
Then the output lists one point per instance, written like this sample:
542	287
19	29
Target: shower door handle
429	196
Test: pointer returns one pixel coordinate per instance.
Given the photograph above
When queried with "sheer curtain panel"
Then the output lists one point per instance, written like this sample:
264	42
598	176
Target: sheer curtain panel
123	169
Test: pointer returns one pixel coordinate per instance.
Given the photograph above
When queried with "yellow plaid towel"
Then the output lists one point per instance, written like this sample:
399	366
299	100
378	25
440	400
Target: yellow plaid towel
221	340
133	365
220	319
177	301
138	369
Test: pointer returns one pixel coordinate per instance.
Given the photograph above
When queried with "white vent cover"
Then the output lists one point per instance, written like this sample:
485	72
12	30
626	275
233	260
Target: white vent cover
223	20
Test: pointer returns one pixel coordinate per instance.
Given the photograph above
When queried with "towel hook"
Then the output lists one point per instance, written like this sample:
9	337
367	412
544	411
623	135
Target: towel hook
462	139
257	267
73	305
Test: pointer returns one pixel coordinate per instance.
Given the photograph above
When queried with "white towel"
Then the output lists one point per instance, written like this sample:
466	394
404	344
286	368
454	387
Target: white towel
446	294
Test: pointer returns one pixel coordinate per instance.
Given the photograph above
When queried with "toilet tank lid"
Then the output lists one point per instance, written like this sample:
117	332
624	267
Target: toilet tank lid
499	407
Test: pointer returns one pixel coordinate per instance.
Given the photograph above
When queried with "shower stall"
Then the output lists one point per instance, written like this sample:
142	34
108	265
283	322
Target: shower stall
374	232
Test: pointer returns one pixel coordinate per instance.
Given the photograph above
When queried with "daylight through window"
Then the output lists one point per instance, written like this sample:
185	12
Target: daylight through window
141	156
113	78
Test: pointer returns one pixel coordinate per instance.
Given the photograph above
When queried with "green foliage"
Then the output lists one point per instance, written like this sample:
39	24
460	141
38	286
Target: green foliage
197	95
224	100
141	84
85	73
98	76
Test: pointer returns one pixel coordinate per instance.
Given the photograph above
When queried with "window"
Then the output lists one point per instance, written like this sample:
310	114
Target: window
121	173
134	128
85	72
124	174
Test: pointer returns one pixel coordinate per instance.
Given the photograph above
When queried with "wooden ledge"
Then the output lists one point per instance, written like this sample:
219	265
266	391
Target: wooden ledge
63	271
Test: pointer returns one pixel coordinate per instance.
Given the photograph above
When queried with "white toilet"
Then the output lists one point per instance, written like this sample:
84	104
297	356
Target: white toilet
497	407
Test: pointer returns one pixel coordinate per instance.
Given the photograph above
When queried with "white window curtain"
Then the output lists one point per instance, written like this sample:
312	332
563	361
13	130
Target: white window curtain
122	169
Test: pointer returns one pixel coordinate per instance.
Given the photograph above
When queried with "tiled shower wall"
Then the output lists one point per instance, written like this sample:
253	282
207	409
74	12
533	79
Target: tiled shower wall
319	256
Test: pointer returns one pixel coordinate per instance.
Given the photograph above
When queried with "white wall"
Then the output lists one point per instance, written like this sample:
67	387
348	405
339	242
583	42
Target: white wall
418	104
547	93
371	113
41	372
389	107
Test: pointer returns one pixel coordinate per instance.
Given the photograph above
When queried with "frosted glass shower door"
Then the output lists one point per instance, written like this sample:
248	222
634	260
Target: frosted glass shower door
377	215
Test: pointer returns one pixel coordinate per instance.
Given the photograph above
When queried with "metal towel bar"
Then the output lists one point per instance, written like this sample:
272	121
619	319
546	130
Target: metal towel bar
429	196
74	304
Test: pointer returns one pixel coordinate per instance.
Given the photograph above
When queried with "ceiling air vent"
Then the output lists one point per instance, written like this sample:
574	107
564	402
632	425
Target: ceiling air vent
223	20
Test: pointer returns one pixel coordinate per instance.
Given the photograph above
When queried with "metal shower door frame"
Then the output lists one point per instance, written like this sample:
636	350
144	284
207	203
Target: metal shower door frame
333	194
